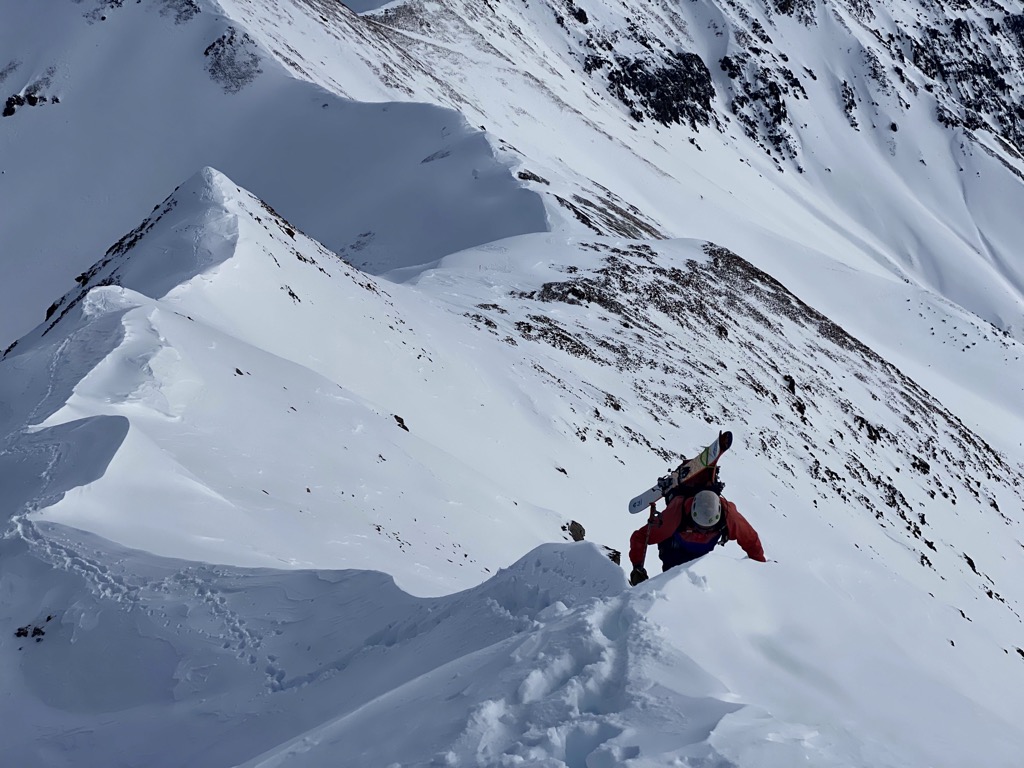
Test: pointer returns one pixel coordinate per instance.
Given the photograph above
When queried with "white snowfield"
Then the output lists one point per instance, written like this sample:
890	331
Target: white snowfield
198	443
285	475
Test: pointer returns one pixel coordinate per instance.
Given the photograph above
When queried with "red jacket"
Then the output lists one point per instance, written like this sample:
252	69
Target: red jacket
740	530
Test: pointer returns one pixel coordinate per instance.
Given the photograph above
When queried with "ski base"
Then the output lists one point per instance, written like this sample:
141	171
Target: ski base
688	473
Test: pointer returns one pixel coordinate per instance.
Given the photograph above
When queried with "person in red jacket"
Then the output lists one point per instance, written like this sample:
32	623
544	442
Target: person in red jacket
690	528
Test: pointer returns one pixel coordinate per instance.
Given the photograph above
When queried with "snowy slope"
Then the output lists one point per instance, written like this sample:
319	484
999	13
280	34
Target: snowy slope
200	92
255	326
871	133
551	662
280	480
930	205
214	397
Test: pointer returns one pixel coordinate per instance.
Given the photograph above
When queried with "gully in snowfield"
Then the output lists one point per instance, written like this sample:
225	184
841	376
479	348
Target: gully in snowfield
695	518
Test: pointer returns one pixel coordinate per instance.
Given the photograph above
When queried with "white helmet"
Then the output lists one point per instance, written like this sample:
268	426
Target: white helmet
706	510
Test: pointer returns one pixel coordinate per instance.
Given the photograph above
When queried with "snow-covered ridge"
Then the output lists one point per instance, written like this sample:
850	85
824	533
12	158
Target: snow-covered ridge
200	91
214	256
232	464
224	390
219	258
216	308
900	123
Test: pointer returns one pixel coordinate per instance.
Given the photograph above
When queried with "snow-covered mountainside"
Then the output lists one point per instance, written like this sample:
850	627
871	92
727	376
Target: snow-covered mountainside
886	138
222	390
294	460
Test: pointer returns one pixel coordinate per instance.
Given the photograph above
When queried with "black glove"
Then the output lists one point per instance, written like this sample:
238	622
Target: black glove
638	575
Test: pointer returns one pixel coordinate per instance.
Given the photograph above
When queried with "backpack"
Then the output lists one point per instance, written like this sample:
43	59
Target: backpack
704	481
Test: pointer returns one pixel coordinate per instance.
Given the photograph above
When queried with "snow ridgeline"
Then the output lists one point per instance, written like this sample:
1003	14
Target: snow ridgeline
552	662
223	389
383	182
266	383
898	122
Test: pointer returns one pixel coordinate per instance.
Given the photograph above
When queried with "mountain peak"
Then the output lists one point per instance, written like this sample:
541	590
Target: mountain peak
208	183
190	232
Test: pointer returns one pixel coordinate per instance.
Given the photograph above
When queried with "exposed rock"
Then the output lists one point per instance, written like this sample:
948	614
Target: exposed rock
234	60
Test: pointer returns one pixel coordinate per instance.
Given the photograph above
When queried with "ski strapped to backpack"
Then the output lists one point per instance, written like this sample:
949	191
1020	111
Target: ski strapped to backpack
693	475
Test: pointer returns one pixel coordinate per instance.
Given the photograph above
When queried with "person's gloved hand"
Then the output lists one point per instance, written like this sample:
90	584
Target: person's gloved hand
638	575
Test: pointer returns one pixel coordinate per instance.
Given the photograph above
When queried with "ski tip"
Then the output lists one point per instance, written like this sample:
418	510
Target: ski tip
642	502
